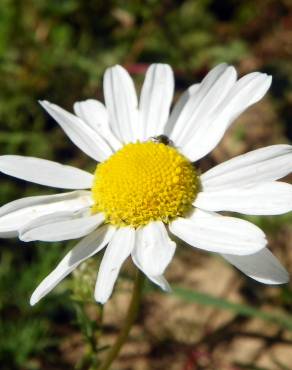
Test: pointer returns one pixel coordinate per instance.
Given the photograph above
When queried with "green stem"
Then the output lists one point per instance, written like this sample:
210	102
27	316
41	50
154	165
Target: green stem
128	322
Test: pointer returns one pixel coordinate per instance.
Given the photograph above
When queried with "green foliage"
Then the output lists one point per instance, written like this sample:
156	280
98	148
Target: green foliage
58	50
271	224
21	340
25	331
239	309
83	280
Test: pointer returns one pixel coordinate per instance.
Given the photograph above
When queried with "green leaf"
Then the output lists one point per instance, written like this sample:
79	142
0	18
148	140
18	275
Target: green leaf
284	321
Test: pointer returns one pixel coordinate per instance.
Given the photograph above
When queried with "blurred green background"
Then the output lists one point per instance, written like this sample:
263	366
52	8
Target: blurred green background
58	50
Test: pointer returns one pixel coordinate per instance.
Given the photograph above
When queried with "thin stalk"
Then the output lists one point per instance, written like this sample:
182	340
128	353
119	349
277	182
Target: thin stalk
128	322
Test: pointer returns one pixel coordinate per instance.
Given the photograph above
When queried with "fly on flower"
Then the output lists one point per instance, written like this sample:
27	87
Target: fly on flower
146	186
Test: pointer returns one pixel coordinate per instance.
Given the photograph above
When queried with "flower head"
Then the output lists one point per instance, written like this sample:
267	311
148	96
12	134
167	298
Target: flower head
144	182
146	186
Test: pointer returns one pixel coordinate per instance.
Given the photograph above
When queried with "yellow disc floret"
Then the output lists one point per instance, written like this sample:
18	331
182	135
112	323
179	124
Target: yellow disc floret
144	182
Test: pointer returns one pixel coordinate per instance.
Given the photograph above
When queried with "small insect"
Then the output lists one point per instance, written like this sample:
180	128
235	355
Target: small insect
162	139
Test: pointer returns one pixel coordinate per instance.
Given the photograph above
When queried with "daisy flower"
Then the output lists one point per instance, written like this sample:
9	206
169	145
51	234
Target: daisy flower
146	186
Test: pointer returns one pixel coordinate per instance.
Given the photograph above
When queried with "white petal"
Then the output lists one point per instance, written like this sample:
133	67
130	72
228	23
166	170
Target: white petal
153	249
190	101
161	282
204	120
216	233
261	266
121	101
179	106
82	135
247	91
95	115
155	101
203	103
60	226
271	198
86	248
210	130
44	172
193	90
15	215
261	165
158	280
119	248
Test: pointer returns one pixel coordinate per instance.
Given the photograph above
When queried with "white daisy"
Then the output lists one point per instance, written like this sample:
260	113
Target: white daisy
145	188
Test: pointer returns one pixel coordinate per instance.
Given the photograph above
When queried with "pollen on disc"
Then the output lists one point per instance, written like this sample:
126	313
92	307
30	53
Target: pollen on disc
144	182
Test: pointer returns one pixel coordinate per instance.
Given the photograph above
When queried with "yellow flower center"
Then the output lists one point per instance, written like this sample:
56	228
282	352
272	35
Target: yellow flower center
144	182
